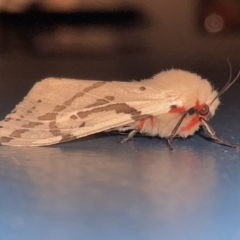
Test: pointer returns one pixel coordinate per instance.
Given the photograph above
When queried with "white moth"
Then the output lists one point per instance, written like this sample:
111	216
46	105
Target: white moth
172	103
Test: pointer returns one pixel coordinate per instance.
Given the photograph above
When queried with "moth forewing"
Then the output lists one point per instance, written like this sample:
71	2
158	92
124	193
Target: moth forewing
59	110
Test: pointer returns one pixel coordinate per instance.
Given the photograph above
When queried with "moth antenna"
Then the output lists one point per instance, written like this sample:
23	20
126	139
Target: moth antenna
228	84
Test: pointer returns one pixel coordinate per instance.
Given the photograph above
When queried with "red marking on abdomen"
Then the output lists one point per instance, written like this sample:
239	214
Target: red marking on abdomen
192	123
178	110
143	121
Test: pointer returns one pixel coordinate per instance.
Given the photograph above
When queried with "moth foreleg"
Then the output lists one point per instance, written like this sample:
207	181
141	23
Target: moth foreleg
174	131
209	130
130	135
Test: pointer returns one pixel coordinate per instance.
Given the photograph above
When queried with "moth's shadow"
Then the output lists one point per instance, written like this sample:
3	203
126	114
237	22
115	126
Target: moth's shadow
202	135
104	135
223	142
119	136
94	136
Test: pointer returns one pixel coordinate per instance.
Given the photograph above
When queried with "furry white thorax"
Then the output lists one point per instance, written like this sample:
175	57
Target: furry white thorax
191	88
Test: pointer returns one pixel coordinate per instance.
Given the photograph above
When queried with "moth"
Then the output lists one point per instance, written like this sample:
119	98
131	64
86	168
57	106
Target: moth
173	103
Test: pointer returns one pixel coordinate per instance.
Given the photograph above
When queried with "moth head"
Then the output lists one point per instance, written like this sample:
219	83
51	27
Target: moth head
203	109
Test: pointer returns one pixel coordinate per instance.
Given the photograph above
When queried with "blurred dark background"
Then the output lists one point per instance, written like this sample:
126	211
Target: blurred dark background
115	39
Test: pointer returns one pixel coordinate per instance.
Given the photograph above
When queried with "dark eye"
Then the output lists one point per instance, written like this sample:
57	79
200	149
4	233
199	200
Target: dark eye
204	110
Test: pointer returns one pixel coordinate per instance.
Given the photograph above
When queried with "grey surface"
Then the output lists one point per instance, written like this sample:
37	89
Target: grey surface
96	188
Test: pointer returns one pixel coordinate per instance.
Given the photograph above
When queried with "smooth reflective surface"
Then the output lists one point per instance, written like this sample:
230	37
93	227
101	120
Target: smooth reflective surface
99	189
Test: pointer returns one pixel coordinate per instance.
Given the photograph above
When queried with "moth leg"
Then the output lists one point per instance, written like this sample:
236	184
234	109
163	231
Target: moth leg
174	131
130	135
135	131
209	130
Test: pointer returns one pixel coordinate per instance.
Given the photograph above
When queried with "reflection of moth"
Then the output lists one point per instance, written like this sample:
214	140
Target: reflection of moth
172	103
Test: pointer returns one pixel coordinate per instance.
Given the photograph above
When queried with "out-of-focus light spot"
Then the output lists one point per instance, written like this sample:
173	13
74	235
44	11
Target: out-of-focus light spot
213	23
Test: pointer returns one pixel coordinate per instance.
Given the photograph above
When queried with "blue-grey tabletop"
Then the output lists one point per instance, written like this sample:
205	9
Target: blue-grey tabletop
97	188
